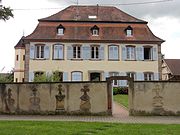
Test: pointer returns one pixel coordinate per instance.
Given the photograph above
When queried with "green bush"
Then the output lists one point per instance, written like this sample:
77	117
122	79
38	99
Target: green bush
120	90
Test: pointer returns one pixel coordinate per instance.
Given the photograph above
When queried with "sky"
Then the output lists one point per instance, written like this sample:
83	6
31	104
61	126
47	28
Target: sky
163	19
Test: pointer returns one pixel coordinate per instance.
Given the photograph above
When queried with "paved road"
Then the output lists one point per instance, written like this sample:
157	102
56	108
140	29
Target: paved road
120	115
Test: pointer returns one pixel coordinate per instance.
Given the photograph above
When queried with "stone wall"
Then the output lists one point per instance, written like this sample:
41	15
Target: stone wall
155	98
55	98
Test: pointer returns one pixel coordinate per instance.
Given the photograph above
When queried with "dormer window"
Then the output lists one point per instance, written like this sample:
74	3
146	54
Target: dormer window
95	31
60	30
129	31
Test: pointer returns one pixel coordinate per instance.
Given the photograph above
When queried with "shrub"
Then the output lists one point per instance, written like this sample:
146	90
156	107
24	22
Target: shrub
120	90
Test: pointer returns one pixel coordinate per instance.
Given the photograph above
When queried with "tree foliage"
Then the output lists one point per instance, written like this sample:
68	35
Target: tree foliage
5	13
55	77
6	78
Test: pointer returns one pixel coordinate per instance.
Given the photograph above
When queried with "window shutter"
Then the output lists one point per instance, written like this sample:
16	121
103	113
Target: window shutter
48	74
122	83
124	55
31	76
32	51
140	76
140	53
65	76
69	52
156	76
155	53
106	75
86	52
46	52
101	52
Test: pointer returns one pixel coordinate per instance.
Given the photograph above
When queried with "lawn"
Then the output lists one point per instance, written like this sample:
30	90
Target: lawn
83	128
121	99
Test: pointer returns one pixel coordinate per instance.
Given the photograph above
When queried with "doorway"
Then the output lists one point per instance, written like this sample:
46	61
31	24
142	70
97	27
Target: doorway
95	76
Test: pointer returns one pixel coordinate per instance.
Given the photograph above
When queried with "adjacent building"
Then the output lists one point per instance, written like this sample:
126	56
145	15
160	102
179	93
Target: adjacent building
171	69
89	43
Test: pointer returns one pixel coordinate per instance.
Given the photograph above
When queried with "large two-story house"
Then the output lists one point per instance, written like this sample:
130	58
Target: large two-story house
89	43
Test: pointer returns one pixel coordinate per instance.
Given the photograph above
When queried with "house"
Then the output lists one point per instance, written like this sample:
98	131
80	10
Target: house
171	69
89	43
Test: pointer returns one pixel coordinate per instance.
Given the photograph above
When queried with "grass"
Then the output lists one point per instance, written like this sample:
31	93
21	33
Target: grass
121	99
83	128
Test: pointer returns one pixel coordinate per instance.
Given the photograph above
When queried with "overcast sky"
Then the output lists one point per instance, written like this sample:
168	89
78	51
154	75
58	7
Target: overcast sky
163	19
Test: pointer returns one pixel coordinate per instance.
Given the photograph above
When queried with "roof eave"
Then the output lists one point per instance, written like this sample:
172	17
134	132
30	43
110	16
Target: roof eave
77	40
88	21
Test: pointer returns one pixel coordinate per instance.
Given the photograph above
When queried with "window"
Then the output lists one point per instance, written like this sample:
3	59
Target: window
60	30
131	75
147	53
115	82
129	31
57	76
113	53
39	51
16	79
95	52
130	52
58	52
95	30
76	52
95	76
76	76
148	76
23	57
22	79
39	76
17	57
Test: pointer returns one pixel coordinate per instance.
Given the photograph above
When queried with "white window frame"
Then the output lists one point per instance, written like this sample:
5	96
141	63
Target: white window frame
60	31
114	48
148	76
95	32
129	33
76	52
76	76
131	74
151	53
40	51
59	51
130	52
95	52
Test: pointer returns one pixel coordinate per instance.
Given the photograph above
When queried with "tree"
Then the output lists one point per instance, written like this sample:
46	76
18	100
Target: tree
6	78
55	77
5	12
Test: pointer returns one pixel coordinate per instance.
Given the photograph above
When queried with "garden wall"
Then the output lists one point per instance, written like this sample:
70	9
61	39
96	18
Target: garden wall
55	98
154	98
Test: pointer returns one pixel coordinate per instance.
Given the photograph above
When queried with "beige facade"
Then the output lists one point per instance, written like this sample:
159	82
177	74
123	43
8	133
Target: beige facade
88	66
19	65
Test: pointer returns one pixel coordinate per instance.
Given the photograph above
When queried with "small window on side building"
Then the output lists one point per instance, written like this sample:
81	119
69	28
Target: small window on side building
17	57
23	57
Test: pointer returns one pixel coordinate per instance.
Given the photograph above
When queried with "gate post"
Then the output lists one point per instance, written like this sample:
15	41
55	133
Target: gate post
109	95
